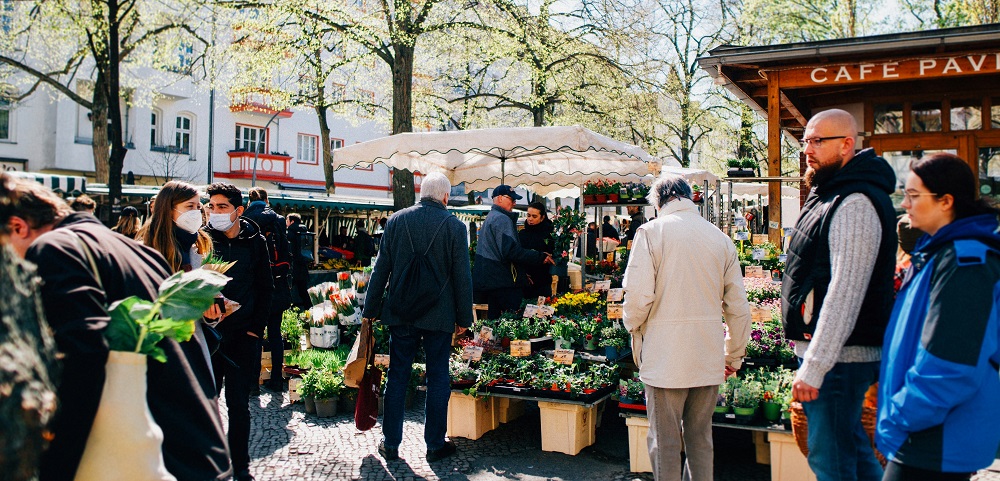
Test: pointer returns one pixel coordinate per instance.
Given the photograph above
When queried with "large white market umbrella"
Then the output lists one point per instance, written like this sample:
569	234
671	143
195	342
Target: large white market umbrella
485	158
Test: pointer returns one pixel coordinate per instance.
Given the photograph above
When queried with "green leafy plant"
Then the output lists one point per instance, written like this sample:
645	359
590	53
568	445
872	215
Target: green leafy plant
614	336
328	384
747	394
291	324
138	325
567	224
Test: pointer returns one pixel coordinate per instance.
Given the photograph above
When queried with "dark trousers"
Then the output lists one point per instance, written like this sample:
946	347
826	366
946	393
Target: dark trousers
898	472
277	347
403	344
233	365
300	287
500	300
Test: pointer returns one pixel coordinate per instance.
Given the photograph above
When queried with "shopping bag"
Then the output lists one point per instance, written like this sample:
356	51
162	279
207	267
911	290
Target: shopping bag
360	356
366	409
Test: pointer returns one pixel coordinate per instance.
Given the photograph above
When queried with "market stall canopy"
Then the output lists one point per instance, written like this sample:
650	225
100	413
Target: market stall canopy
693	176
748	191
534	156
64	183
275	198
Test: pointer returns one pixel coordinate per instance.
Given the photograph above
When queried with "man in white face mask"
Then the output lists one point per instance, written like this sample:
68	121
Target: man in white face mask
239	239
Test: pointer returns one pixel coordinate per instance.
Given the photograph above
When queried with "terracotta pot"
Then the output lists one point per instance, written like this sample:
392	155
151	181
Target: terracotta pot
613	198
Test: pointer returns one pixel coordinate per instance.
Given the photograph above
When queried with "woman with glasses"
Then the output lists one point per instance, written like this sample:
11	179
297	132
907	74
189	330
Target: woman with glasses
939	384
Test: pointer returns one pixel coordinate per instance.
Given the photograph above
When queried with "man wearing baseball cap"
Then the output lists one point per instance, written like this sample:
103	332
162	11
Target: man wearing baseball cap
495	278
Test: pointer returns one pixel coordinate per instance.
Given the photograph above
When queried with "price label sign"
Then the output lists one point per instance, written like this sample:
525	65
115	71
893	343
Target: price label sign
616	294
485	334
741	235
759	238
788	231
472	353
382	360
754	271
546	311
614	311
602	286
772	224
530	310
757	254
563	356
782	258
541	300
740	222
520	348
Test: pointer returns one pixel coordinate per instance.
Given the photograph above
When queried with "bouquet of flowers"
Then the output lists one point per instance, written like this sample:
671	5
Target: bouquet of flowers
322	292
767	340
346	306
567	224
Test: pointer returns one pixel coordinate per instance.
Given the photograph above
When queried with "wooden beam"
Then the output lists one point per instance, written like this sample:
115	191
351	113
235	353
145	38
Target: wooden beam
792	109
774	156
891	70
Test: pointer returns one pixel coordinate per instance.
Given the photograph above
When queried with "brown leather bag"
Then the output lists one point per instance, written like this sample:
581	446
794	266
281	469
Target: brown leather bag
361	355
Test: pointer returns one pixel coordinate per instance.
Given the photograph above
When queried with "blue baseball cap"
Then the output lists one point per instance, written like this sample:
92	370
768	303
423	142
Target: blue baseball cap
504	189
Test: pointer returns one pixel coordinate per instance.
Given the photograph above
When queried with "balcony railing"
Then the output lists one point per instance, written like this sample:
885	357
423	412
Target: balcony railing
269	166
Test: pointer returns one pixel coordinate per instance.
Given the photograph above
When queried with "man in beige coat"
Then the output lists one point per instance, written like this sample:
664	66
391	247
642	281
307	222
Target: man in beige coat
683	276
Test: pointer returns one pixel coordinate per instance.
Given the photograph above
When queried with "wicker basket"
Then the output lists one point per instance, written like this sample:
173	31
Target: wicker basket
869	417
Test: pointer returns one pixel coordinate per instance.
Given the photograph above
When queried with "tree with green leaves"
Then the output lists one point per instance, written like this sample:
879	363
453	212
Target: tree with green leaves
94	52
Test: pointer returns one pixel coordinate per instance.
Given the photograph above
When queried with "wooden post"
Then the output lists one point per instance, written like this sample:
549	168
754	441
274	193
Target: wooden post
774	156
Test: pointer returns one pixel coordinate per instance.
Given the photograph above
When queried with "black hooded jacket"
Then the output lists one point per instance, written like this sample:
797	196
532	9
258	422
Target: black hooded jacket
272	227
537	237
251	283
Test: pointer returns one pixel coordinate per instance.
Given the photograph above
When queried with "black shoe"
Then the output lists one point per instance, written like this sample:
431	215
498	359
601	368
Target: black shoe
274	386
244	476
389	454
438	454
255	390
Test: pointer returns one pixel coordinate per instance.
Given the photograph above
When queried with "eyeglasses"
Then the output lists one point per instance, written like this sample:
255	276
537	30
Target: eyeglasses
818	141
911	194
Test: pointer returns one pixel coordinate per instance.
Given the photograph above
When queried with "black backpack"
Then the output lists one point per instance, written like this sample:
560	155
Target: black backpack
419	285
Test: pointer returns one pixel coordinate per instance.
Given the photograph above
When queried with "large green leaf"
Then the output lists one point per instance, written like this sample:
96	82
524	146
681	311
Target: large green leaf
122	332
179	331
187	295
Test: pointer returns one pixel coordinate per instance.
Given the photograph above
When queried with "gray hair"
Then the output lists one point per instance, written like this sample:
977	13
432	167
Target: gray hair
667	187
435	186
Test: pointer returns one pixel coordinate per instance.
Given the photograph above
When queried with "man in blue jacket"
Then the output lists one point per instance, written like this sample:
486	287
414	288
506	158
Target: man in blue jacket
495	276
239	239
428	228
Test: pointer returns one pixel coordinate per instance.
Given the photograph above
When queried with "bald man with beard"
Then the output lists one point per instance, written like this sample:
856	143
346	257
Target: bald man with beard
837	292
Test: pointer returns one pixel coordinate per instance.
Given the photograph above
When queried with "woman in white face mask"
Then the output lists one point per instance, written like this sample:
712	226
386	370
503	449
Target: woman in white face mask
174	227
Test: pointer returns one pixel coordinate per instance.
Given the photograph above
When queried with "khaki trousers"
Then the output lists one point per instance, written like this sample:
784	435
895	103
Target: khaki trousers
675	414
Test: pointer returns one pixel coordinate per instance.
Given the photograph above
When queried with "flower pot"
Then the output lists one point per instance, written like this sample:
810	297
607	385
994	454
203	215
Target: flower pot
562	343
772	411
589	198
561	267
331	334
613	198
326	408
590	345
625	400
124	442
310	403
722	409
317	337
360	296
611	352
601	199
349	320
745	415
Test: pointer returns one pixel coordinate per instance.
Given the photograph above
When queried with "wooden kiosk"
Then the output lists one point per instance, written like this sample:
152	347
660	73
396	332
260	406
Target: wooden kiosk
913	93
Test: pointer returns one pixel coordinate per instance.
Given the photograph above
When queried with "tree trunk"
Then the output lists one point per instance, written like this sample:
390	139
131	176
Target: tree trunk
116	162
27	364
99	124
403	190
325	147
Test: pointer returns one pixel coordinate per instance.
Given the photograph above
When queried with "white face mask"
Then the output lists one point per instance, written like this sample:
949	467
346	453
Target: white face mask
189	221
220	222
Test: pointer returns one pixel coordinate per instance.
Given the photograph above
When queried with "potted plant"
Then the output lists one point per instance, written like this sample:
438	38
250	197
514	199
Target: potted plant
636	390
328	387
696	194
590	191
567	224
748	164
124	439
613	340
611	189
589	329
307	390
746	398
736	168
565	330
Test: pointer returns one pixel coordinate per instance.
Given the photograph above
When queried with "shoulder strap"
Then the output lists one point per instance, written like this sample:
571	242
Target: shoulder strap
407	226
90	258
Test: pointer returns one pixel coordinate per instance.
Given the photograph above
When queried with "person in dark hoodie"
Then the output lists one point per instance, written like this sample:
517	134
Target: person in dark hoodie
536	235
939	383
496	278
837	292
272	227
180	392
239	239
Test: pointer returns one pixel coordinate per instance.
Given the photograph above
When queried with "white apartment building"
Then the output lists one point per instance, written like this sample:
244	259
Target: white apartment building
176	138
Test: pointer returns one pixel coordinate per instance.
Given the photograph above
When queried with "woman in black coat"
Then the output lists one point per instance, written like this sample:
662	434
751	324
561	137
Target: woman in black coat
536	235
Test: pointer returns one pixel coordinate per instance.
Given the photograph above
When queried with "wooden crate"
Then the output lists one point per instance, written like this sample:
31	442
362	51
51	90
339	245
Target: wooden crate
638	447
293	389
567	428
506	410
787	461
762	447
469	416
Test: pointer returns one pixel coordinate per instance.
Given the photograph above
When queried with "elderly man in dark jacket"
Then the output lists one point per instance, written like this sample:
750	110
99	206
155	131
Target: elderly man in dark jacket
238	239
272	226
426	227
537	235
496	278
180	392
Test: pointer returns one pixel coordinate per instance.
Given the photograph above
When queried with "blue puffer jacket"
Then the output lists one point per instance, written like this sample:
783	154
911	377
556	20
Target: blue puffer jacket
939	388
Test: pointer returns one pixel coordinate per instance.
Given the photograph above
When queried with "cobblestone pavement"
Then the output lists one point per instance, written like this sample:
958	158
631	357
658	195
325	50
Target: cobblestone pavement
287	444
